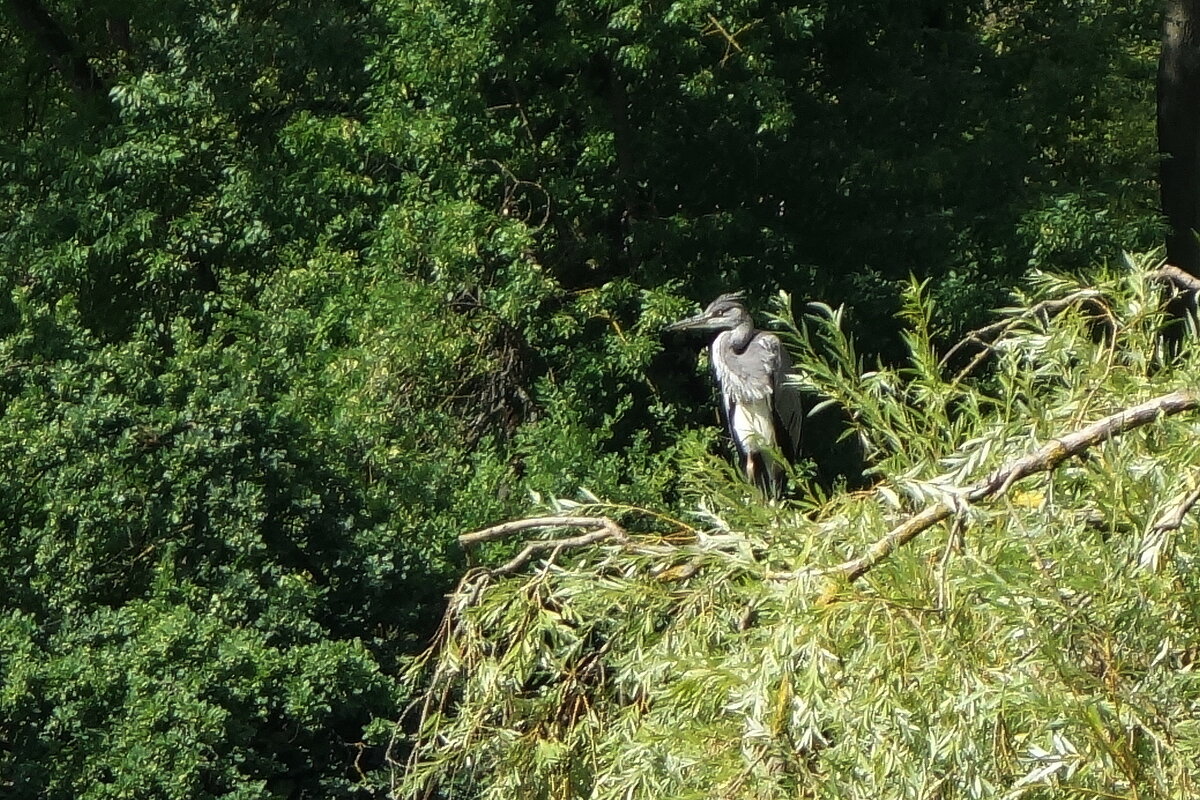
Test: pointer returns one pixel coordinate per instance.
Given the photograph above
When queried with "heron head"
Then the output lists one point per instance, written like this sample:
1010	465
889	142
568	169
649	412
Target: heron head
723	314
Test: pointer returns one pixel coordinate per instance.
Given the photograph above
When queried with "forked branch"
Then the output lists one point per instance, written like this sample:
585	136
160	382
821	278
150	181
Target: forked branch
984	338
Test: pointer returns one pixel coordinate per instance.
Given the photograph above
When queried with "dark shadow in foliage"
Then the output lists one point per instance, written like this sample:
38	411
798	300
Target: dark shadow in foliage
857	148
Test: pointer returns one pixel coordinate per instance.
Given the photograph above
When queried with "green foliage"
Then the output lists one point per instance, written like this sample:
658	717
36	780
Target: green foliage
304	290
1048	653
169	700
811	148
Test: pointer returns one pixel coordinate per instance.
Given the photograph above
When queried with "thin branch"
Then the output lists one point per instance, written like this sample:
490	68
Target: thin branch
555	546
986	336
513	187
1174	276
717	27
504	529
1172	520
954	545
731	43
607	530
1045	459
512	85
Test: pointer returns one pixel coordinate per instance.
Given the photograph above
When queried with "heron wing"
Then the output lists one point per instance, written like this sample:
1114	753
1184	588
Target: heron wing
813	428
747	384
788	399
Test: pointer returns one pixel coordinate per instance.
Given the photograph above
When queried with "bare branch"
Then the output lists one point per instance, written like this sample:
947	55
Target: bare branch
986	336
555	546
896	538
1174	276
731	42
1157	536
504	529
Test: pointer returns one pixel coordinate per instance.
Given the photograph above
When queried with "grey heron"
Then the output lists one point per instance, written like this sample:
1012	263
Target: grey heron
764	408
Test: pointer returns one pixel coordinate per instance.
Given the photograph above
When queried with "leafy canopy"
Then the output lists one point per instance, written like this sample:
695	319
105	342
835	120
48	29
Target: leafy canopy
1039	644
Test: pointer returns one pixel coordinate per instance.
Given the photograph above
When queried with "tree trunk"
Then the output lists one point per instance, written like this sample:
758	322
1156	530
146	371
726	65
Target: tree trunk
57	45
1179	131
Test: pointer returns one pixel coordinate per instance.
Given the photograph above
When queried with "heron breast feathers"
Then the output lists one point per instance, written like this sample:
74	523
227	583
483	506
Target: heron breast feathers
753	425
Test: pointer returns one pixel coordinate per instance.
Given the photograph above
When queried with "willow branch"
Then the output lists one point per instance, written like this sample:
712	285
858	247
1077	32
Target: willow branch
1174	276
1045	459
986	336
605	530
1172	519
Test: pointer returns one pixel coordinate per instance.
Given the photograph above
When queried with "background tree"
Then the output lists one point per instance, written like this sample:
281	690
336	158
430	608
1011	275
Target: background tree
1179	132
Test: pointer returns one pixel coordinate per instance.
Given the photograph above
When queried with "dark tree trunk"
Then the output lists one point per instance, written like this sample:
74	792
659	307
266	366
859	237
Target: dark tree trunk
118	33
63	53
1179	131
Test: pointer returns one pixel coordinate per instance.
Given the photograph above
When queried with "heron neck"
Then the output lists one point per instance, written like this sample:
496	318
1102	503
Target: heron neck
739	337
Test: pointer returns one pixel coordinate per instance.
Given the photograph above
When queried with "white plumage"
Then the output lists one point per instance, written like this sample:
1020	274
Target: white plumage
762	406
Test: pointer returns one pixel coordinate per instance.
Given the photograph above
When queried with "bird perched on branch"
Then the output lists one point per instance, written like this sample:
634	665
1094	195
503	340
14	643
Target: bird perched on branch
765	409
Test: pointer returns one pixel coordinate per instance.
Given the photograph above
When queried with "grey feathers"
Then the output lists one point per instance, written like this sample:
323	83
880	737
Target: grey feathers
765	409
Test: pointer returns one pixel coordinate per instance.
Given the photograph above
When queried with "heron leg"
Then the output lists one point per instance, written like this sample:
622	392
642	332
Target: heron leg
762	472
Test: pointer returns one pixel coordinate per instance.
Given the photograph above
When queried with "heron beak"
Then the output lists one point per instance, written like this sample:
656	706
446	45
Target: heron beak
691	323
